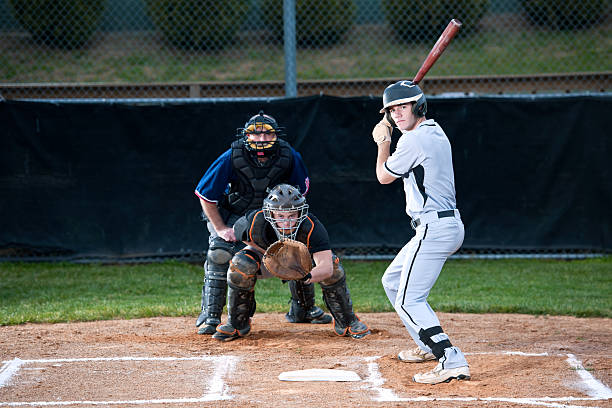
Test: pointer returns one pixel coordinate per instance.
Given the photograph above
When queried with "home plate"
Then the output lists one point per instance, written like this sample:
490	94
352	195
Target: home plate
319	374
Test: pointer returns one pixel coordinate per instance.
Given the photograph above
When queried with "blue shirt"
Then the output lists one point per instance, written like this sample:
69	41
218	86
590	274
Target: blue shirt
215	182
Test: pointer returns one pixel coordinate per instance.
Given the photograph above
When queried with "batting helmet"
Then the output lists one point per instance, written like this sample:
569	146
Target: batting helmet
261	124
282	201
404	92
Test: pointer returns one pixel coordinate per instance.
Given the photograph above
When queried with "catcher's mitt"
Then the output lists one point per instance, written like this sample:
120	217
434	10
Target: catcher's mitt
288	259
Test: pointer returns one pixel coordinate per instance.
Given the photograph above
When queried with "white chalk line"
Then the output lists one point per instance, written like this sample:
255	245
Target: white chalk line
596	390
594	387
224	366
91	359
217	388
9	368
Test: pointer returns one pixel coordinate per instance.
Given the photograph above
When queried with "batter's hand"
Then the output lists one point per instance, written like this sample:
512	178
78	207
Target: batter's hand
227	234
382	131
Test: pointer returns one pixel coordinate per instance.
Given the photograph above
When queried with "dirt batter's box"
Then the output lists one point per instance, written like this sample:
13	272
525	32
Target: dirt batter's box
180	380
116	380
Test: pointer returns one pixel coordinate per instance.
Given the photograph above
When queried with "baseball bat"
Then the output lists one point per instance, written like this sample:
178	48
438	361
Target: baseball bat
445	38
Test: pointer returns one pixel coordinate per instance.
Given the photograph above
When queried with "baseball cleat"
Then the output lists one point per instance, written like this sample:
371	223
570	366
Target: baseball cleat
416	355
440	375
227	332
207	329
315	315
357	329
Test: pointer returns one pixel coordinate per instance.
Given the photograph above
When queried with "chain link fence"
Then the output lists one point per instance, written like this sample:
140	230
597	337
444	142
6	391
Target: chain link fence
246	48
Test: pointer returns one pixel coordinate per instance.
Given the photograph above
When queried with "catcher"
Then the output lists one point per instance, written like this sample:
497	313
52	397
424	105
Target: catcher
283	240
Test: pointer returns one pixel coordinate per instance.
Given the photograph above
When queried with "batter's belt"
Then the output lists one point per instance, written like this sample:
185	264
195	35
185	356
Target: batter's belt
432	216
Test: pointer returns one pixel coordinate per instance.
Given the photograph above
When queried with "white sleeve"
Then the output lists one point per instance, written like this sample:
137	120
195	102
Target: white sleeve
407	155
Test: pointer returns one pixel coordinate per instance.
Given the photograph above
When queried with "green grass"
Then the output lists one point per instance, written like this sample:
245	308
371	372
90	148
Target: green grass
60	292
369	52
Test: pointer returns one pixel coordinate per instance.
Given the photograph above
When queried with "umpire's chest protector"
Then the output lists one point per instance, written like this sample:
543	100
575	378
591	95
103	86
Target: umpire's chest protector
253	180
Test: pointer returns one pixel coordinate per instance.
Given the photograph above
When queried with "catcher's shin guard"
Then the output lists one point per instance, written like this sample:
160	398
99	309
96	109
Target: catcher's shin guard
303	308
338	300
213	296
241	306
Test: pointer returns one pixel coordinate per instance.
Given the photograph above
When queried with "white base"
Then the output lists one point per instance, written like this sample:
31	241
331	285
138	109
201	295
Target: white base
319	374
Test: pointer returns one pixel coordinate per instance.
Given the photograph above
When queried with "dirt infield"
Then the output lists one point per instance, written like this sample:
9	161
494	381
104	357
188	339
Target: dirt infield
515	360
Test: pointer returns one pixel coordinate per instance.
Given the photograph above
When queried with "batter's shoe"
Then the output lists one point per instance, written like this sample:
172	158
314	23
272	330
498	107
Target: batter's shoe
416	355
440	375
227	332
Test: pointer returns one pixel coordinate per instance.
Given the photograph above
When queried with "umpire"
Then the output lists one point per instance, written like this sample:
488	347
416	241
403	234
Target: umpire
235	183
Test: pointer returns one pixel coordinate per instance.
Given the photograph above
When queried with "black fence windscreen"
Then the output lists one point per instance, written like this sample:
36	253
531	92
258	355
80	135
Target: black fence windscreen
118	179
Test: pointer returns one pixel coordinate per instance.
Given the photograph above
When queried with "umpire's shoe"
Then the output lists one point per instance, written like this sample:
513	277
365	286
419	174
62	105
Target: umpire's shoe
441	374
416	355
227	332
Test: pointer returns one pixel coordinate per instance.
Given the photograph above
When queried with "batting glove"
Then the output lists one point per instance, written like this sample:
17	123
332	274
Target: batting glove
382	131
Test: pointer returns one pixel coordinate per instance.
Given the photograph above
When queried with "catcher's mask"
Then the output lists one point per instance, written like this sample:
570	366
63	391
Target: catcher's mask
403	92
260	136
285	208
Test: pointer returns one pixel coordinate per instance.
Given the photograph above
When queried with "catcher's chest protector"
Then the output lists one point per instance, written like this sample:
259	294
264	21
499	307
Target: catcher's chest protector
304	230
250	191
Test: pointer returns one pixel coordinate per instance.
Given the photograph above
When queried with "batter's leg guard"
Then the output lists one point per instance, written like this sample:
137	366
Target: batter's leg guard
303	308
436	340
215	285
241	306
338	301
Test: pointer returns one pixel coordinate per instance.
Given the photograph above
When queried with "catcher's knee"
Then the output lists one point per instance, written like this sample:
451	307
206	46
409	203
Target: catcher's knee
337	273
243	269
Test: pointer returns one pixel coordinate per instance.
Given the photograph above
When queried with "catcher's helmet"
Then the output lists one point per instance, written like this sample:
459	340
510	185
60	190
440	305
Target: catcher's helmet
281	202
260	124
404	92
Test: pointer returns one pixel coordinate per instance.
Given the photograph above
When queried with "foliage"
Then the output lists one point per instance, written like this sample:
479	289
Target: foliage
566	15
59	23
186	23
319	23
429	18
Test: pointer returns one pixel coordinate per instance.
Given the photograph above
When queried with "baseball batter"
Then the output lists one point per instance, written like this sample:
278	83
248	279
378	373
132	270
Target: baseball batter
423	160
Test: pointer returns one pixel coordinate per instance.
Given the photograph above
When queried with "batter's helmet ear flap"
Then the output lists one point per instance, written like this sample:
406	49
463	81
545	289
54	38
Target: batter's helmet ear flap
420	107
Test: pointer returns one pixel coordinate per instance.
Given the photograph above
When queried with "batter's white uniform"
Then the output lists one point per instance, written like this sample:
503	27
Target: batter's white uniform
423	159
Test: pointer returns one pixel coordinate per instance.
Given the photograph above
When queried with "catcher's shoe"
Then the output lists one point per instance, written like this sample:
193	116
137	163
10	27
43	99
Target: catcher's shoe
315	315
207	329
357	329
416	355
440	375
227	332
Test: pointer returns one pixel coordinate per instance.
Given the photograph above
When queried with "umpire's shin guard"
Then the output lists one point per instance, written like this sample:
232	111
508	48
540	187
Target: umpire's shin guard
213	295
